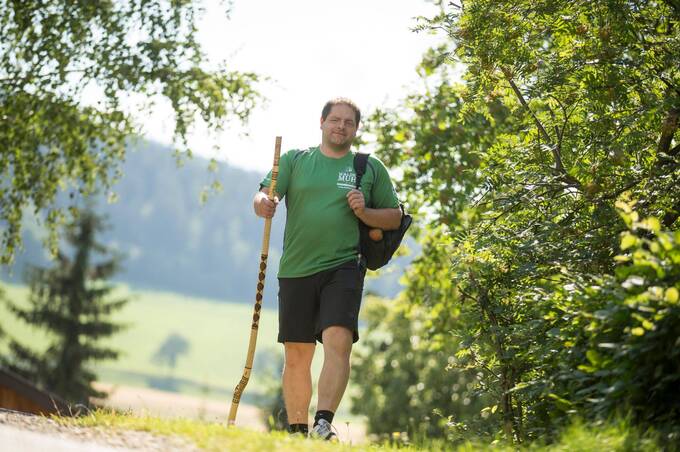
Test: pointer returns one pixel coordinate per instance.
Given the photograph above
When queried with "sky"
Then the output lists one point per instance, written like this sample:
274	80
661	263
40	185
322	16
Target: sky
312	50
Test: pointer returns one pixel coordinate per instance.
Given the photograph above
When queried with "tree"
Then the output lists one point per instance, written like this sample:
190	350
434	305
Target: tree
66	71
592	96
73	303
401	384
172	347
440	155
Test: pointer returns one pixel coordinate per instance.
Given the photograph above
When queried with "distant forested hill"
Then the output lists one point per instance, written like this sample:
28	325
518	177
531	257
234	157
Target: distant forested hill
172	242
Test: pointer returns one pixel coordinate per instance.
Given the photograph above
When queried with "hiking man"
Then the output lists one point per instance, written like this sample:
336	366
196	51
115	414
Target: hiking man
320	275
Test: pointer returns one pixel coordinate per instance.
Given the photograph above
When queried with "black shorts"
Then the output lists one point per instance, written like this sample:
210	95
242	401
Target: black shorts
310	304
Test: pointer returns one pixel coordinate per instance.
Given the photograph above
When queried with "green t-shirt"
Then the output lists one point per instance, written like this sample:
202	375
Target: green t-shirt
321	229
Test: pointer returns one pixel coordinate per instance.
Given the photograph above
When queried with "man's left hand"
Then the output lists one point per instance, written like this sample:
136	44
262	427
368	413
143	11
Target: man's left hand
355	199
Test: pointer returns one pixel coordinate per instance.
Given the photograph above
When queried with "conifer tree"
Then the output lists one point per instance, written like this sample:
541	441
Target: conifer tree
72	302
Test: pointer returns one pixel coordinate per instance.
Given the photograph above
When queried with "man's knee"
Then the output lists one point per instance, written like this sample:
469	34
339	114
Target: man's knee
337	340
298	354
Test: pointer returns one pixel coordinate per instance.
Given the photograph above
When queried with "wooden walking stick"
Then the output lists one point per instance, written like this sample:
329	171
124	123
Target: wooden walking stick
258	298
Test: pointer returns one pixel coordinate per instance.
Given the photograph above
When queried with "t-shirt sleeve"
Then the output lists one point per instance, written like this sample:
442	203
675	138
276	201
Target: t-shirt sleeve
285	167
383	194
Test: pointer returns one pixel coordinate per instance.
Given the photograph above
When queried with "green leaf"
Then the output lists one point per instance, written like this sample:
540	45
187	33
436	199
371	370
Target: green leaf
560	402
651	224
594	357
587	369
628	240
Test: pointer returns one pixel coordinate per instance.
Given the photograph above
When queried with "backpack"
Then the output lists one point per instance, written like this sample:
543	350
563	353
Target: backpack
377	254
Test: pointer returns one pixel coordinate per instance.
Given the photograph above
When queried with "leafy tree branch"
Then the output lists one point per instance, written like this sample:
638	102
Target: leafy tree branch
66	69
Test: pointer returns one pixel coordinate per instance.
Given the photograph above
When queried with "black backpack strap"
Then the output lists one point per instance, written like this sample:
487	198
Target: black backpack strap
360	162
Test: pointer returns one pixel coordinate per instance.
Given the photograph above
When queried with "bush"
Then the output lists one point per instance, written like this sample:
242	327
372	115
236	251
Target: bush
632	342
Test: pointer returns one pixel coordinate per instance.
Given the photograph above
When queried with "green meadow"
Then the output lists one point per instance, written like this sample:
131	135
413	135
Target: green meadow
217	333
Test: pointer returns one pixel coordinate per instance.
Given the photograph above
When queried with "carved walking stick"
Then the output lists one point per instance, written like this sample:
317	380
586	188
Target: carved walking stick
258	298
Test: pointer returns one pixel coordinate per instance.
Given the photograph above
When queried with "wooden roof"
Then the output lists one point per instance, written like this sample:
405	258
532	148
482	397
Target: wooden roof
17	393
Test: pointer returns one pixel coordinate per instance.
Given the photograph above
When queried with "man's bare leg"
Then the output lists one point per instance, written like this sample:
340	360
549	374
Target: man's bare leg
297	380
337	346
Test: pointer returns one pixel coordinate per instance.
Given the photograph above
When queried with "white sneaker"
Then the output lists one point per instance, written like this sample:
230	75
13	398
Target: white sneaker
323	430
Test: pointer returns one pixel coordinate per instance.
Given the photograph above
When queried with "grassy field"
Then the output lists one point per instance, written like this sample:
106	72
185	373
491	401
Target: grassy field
217	334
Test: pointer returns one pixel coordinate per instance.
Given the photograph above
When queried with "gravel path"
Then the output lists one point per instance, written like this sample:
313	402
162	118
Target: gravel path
28	433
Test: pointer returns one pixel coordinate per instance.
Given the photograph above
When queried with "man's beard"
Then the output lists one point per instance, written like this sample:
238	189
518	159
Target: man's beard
339	144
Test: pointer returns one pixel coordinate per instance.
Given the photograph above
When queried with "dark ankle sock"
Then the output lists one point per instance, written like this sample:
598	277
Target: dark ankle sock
298	428
324	414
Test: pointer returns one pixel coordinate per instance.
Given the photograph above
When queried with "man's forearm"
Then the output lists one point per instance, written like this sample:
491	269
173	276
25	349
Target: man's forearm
385	219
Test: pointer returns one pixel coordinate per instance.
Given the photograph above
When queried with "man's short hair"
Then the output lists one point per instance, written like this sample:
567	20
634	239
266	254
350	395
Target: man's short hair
341	101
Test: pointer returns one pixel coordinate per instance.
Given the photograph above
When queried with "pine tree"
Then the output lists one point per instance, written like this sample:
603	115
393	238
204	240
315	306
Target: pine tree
71	300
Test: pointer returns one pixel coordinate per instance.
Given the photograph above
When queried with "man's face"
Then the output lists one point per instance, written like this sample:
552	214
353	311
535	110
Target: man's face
339	128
